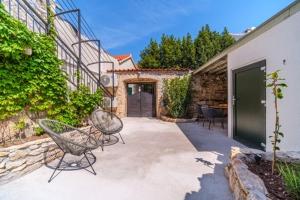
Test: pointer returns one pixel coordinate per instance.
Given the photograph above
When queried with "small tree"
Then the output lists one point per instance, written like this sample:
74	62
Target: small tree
276	84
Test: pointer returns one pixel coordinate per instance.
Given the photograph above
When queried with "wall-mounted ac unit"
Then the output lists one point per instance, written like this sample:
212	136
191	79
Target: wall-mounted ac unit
107	102
107	80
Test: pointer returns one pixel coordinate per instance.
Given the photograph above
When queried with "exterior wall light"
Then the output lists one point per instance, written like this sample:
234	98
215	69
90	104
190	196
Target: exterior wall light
28	51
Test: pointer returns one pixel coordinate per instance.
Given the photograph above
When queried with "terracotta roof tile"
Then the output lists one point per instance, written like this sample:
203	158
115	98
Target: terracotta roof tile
122	57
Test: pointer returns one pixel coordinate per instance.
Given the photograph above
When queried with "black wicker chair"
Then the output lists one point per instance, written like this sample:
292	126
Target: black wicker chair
211	114
71	141
108	124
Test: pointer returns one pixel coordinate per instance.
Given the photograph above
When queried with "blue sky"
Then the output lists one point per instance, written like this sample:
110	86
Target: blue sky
126	26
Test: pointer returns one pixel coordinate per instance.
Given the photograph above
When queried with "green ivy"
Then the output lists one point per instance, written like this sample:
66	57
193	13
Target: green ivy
35	83
31	82
177	95
80	105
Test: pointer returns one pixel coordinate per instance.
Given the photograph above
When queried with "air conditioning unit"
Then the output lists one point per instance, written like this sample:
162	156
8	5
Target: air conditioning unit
107	102
107	80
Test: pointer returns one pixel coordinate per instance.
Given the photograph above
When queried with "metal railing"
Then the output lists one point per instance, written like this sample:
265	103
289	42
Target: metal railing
78	73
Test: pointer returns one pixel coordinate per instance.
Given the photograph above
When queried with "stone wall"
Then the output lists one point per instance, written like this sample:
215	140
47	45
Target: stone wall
18	160
157	77
210	89
245	184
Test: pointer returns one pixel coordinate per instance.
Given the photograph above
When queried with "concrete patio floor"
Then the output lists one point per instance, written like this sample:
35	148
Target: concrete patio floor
160	161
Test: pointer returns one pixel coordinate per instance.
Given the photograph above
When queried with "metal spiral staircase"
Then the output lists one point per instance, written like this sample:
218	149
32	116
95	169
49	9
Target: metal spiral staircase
77	45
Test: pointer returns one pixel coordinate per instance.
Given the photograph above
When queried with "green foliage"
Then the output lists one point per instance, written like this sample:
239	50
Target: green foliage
35	83
177	95
188	52
276	83
291	176
84	102
20	125
38	131
205	45
80	105
170	52
31	82
185	52
150	55
226	39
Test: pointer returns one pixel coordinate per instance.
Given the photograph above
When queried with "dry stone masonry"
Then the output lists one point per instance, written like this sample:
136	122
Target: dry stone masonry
210	89
18	160
244	184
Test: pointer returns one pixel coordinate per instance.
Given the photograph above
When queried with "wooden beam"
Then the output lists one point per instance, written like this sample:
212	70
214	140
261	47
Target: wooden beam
220	67
216	65
222	71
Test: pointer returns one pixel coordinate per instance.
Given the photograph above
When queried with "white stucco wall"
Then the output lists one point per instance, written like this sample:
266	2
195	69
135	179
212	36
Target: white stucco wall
281	42
127	64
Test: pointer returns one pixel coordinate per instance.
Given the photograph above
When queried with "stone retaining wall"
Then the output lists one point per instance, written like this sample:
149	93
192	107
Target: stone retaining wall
177	120
245	184
18	160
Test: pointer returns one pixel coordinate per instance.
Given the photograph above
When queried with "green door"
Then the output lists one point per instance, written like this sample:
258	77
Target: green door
249	95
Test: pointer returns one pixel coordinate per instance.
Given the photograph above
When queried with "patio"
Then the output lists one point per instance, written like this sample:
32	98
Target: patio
160	160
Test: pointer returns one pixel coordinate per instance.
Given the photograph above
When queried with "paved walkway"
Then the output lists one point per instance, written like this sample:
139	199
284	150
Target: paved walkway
160	161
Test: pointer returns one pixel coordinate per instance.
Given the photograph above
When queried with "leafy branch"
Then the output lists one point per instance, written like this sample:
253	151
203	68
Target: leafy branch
277	84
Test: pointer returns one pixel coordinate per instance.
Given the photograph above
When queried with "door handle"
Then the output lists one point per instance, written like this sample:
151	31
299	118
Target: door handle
233	100
263	102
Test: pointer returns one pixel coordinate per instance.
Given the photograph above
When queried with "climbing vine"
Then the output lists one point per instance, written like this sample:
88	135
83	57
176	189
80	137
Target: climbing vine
34	83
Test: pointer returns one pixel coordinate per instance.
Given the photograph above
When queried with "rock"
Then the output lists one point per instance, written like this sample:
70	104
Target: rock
31	168
3	154
32	147
2	171
243	183
37	152
34	159
257	195
46	144
289	156
18	155
14	164
2	163
20	168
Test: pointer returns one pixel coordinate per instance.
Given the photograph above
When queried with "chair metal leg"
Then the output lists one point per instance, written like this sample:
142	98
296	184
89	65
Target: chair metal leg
90	164
121	138
59	163
223	124
209	124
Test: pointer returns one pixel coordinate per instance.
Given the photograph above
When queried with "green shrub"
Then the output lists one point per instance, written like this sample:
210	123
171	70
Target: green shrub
80	105
20	125
177	95
38	131
291	176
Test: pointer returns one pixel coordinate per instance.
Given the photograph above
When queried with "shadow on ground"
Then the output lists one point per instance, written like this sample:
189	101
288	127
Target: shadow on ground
214	147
